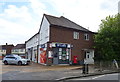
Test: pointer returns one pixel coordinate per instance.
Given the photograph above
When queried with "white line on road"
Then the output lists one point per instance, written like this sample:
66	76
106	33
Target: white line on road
98	77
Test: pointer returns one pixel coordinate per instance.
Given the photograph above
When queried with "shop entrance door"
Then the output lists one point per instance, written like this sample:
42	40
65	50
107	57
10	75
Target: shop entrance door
55	56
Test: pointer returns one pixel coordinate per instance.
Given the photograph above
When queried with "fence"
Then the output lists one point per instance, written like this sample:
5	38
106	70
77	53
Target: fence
107	65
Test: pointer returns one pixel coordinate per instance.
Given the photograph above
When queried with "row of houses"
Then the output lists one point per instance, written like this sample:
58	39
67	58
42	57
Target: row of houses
7	49
60	41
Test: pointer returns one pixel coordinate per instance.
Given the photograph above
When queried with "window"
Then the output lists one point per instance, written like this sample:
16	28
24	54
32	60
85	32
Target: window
21	50
86	36
11	57
76	35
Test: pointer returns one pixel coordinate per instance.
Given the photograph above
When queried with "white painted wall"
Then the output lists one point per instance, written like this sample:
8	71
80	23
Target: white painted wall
44	31
32	44
2	52
44	35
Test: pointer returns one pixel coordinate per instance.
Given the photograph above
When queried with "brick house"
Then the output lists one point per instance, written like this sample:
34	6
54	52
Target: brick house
19	49
62	41
5	49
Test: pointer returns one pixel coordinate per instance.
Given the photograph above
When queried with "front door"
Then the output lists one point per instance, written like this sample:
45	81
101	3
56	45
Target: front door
55	56
89	57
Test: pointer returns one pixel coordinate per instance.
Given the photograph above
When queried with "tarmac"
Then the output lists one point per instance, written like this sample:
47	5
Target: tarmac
40	72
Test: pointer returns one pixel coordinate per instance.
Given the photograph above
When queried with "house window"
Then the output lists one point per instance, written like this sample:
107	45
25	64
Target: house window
21	50
76	35
86	36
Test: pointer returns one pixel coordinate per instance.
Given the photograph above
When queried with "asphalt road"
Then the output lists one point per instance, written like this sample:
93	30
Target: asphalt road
114	76
36	72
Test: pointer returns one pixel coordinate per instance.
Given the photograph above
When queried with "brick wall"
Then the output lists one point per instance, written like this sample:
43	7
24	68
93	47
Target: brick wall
65	35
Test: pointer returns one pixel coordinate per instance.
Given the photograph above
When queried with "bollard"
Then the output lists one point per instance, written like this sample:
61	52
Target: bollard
85	69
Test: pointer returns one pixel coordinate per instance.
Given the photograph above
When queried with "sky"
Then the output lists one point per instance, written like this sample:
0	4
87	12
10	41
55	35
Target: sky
21	19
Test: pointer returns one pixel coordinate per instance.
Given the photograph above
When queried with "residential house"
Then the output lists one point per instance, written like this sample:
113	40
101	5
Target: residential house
64	42
61	41
32	48
5	49
19	49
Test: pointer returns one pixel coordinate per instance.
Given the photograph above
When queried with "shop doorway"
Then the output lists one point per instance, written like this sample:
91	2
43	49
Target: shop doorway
61	56
55	56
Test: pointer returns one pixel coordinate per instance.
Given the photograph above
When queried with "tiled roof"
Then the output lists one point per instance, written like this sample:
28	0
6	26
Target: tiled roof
19	46
64	22
6	46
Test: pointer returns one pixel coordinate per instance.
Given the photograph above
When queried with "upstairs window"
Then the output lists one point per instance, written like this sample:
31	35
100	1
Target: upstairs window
86	36
76	35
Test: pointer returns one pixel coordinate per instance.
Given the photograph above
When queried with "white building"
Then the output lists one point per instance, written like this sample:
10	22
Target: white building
32	48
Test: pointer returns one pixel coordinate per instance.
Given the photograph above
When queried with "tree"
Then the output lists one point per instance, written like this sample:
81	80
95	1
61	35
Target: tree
107	41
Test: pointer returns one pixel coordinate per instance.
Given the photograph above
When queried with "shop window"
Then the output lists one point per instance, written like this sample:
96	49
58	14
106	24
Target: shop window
76	35
86	36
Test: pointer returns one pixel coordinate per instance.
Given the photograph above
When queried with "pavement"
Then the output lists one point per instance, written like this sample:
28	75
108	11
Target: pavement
113	76
40	72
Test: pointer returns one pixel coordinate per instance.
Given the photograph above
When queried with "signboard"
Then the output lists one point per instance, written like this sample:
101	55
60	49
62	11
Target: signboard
61	45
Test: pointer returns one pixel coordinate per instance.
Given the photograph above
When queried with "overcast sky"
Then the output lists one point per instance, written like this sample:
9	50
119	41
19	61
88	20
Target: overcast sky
20	19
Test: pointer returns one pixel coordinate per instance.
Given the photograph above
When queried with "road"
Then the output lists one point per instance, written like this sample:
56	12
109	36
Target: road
41	72
36	72
114	76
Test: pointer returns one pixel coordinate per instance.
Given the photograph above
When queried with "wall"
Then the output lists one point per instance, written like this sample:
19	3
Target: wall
43	35
44	31
65	35
18	51
31	46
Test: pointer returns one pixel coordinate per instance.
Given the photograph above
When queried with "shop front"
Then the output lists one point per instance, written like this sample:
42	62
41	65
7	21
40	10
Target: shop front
55	53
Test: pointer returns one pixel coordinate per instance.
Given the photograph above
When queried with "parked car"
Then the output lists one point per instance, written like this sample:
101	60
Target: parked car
15	59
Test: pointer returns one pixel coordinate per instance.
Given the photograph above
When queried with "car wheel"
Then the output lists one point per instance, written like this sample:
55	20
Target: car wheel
28	63
19	63
5	62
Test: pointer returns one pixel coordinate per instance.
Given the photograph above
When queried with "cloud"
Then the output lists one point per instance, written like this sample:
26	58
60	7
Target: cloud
13	1
12	32
13	13
16	25
22	22
87	13
19	23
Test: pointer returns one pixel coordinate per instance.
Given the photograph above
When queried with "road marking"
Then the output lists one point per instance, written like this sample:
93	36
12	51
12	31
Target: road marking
98	77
